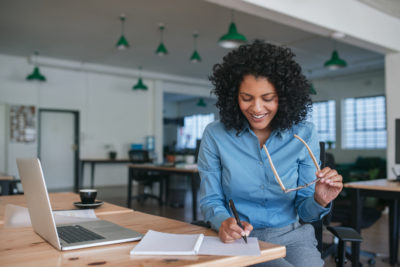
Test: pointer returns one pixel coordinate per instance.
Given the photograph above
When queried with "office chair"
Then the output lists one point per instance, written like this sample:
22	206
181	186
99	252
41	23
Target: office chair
145	179
341	213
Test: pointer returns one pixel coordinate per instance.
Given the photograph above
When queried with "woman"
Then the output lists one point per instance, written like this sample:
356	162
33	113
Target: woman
263	99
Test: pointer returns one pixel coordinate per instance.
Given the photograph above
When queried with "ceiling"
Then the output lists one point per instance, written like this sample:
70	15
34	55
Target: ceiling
87	31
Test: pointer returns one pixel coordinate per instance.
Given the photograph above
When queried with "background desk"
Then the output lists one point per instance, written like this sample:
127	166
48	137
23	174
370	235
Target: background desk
93	162
22	247
7	184
60	201
381	188
193	174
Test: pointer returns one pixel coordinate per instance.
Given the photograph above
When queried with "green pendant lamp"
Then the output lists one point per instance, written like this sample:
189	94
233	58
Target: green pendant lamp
195	58
232	39
36	75
335	62
201	103
161	49
140	85
122	43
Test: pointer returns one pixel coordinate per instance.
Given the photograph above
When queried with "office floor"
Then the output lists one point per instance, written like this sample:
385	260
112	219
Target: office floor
375	237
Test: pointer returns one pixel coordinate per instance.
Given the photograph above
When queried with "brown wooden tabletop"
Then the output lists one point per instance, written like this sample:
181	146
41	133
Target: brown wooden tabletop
379	184
22	247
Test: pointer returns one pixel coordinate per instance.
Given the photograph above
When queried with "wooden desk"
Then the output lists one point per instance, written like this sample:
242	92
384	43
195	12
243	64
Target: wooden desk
193	174
21	247
93	162
60	201
382	188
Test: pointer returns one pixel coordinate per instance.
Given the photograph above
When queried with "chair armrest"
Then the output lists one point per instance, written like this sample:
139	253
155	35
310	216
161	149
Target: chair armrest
345	233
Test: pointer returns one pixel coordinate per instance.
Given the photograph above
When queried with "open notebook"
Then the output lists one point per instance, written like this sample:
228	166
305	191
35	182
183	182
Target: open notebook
158	243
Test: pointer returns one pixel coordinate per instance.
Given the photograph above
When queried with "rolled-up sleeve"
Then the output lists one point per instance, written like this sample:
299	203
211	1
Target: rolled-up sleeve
212	200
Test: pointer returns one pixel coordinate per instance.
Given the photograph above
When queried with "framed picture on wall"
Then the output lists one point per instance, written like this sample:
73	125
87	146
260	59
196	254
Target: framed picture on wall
22	124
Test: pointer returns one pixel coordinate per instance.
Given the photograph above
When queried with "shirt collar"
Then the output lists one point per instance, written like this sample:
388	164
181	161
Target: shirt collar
277	133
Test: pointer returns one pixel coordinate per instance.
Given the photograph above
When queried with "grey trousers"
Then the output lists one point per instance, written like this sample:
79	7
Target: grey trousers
300	243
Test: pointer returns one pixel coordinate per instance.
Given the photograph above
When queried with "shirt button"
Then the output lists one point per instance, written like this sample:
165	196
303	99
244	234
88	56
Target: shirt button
260	162
262	187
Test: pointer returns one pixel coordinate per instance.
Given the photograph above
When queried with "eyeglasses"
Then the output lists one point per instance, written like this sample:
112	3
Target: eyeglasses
279	179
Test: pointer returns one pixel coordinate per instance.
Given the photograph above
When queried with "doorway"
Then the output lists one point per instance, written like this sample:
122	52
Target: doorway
58	147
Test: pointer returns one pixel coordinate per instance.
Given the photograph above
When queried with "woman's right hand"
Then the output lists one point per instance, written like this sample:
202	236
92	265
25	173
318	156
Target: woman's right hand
230	230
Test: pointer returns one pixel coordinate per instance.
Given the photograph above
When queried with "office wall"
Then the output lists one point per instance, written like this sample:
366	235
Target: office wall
3	136
370	83
110	112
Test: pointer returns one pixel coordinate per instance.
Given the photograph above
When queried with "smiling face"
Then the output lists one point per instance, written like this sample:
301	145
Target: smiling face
258	102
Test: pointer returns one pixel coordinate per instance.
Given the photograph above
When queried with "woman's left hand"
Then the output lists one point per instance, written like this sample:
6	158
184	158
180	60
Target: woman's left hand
329	187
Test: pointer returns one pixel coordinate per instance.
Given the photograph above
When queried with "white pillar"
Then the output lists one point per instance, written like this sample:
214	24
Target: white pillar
158	119
392	81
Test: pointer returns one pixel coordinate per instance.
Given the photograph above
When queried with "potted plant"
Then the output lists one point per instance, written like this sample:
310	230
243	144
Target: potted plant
112	154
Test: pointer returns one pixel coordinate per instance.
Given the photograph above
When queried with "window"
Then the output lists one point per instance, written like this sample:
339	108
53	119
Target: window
364	123
324	117
193	128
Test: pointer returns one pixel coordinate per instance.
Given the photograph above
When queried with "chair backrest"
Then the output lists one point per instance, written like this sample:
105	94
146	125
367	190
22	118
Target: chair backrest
318	225
139	156
196	152
322	154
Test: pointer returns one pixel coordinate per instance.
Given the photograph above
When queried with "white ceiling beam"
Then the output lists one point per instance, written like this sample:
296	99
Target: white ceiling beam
362	25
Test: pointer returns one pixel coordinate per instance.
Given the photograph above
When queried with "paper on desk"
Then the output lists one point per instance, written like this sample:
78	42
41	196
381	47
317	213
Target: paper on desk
158	243
17	216
212	245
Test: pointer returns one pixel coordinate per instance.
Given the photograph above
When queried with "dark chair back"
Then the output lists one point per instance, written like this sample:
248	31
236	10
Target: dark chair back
318	225
196	152
139	156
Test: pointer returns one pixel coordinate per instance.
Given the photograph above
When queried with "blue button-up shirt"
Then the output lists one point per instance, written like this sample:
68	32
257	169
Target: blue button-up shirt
234	167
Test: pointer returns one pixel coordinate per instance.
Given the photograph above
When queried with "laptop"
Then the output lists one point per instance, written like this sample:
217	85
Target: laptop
66	236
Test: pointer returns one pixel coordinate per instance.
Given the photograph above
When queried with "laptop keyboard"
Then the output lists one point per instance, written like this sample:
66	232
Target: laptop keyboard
76	233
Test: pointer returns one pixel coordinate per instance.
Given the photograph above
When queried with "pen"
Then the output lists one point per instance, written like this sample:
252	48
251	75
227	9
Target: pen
232	205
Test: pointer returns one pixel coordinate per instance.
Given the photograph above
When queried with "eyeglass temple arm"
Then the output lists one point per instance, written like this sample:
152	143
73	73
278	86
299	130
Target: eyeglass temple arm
309	152
273	169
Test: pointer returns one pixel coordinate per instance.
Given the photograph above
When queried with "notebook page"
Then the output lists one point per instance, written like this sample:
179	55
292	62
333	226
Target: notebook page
158	243
212	245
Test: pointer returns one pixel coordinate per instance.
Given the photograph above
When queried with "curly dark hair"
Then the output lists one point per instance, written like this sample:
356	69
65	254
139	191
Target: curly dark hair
261	60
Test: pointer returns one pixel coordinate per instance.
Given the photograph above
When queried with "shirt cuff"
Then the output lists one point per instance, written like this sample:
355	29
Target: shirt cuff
322	211
218	219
